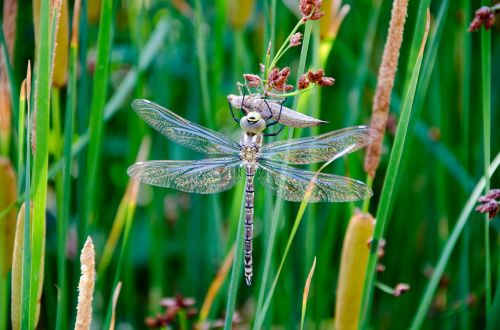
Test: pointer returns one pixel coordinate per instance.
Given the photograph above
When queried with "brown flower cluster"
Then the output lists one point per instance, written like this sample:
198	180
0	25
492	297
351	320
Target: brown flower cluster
489	203
311	9
295	39
173	306
276	79
317	77
253	80
484	16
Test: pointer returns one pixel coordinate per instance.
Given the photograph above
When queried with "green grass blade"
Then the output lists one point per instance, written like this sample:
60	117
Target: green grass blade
71	99
40	159
389	183
235	279
96	123
426	300
486	96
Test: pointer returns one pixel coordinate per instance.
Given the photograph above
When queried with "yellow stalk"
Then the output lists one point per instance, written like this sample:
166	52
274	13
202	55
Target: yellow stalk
8	196
353	264
17	270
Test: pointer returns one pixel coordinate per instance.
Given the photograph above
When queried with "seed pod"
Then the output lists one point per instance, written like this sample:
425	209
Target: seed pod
355	252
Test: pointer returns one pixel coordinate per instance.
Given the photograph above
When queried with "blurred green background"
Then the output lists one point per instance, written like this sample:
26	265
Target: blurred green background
178	241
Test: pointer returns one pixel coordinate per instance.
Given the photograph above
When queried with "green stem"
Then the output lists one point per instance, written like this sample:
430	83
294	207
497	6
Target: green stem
236	271
486	95
40	158
202	62
284	47
388	188
96	123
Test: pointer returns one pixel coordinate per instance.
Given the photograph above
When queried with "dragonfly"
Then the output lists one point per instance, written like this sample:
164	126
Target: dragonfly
250	158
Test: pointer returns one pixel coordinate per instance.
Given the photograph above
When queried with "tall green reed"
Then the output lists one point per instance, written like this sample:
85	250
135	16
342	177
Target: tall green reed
486	105
389	183
96	124
40	159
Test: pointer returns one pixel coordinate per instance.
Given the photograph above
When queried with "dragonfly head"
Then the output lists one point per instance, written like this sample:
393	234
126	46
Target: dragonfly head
253	122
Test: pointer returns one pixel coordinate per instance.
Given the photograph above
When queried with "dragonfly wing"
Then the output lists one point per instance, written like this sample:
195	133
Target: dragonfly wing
292	183
182	131
319	148
206	176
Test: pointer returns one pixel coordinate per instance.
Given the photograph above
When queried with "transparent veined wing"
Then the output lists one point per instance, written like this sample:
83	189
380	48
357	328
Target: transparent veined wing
291	184
318	148
183	131
205	176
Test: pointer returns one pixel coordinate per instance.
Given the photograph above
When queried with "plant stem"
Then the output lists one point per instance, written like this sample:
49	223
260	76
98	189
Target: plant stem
486	95
236	270
389	183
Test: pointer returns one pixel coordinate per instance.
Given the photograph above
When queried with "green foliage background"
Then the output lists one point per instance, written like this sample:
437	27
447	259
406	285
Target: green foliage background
178	241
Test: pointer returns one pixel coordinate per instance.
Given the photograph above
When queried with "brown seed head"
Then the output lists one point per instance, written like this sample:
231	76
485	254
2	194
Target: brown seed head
303	82
277	79
326	81
483	15
315	77
252	80
400	289
295	39
489	204
491	207
311	9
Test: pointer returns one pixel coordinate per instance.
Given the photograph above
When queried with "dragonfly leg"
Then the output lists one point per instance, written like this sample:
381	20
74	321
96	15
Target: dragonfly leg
274	122
232	113
275	133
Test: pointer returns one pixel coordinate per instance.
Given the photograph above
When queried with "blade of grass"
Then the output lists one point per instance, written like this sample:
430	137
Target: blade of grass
355	95
464	281
486	96
215	287
96	123
389	183
130	199
62	224
40	158
20	136
306	294
426	299
202	62
236	270
27	254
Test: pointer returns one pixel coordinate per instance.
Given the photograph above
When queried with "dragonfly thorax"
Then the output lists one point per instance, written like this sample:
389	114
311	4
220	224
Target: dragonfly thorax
253	123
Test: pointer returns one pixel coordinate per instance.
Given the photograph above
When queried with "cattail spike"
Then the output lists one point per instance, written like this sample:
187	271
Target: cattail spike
386	75
86	286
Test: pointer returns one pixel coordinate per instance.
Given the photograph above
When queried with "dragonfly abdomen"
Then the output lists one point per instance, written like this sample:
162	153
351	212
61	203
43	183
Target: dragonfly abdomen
249	206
